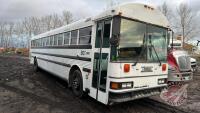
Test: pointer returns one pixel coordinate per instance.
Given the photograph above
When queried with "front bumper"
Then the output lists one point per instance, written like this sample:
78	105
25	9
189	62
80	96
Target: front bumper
128	96
179	77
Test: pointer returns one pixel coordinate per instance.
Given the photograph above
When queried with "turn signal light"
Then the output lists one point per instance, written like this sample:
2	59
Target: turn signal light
114	85
164	67
126	68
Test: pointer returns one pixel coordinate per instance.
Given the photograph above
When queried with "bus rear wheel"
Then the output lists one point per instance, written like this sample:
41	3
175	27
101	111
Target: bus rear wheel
35	67
77	84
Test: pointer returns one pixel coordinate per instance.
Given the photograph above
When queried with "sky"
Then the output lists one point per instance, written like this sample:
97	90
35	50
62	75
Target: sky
14	10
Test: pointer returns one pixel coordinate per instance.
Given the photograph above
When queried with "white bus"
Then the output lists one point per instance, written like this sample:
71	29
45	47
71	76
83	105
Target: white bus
116	56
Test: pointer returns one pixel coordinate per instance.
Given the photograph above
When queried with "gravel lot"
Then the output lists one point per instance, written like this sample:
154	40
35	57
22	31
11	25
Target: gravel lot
24	91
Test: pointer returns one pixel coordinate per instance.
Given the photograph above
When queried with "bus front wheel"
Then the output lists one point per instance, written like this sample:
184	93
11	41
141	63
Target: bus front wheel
77	84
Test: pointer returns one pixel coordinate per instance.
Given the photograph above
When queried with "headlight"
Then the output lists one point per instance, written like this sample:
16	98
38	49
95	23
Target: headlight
121	85
172	69
162	81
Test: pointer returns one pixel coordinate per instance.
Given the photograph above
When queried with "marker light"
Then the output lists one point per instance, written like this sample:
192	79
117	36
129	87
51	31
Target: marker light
126	68
164	67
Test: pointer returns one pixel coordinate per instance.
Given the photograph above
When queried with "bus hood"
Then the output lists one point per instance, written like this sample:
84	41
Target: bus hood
179	59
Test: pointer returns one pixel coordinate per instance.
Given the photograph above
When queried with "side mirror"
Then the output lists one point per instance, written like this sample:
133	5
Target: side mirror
114	40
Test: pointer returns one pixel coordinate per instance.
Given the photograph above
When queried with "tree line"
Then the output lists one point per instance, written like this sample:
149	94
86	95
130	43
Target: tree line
18	34
183	20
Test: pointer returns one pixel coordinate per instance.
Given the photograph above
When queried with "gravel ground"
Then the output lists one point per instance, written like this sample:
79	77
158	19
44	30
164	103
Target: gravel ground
24	91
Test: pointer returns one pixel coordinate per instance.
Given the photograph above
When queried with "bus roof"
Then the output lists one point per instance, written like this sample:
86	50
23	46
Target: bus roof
136	11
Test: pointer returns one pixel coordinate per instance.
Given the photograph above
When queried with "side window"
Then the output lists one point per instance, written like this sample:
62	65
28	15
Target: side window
98	34
48	39
103	28
66	38
55	43
51	40
85	35
32	43
44	41
106	34
74	37
36	43
40	40
60	39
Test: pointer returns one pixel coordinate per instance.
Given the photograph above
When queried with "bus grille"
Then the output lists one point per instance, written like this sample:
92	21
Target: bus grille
184	63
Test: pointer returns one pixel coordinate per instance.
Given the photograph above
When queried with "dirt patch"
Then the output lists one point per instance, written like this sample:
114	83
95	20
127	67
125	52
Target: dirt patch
24	91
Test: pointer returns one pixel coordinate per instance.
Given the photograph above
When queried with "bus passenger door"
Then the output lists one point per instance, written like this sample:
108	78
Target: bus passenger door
101	59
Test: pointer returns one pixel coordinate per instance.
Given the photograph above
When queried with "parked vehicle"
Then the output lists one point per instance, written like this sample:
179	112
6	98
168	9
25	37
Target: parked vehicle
180	63
116	56
179	66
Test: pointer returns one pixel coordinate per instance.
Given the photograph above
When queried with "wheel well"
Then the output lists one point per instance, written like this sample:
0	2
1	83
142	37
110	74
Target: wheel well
73	68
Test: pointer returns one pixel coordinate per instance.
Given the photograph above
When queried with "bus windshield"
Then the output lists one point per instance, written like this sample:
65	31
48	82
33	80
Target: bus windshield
141	42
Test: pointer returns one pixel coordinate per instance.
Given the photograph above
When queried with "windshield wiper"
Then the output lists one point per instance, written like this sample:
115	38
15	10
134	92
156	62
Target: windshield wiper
152	46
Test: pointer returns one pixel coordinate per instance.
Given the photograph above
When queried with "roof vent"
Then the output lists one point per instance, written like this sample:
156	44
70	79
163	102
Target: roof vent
148	7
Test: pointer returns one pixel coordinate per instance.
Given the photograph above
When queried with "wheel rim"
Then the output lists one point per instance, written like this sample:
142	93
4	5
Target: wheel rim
76	83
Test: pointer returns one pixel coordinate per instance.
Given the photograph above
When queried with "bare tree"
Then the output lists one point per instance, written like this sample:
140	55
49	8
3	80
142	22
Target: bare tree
27	24
111	3
46	23
186	22
166	10
67	17
2	33
19	34
35	22
10	30
56	21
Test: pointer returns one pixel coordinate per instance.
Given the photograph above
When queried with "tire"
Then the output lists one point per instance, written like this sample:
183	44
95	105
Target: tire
35	67
77	84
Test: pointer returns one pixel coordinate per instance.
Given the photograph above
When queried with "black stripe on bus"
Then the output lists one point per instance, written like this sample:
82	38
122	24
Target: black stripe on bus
136	76
65	47
87	70
55	62
64	56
